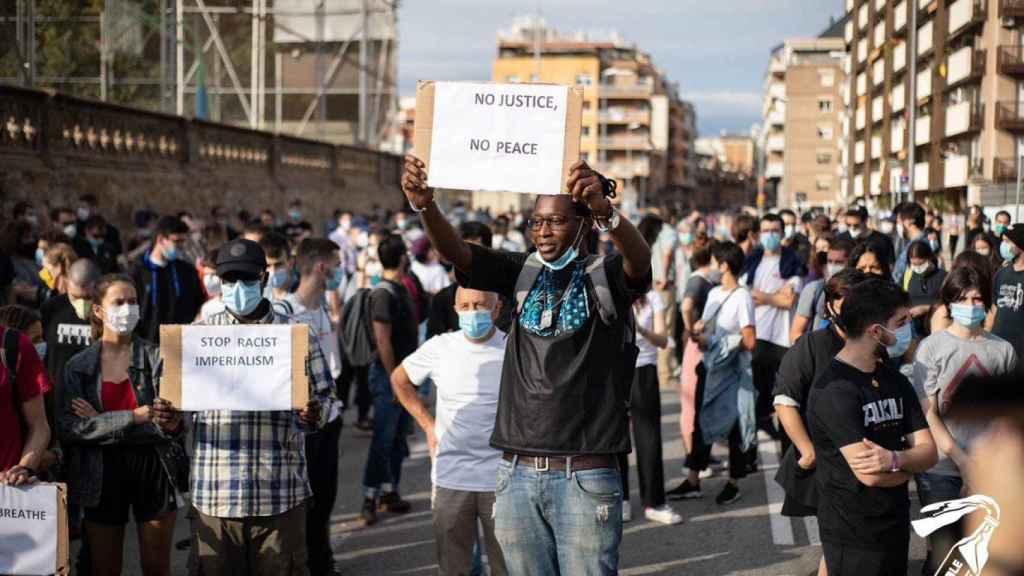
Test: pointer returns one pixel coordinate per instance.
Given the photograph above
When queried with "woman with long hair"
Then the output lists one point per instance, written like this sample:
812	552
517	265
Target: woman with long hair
129	454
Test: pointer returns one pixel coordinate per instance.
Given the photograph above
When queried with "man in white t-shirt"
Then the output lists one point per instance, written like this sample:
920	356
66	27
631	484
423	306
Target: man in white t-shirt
465	366
774	274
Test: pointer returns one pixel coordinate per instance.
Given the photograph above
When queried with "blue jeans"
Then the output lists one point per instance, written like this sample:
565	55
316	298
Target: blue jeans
549	523
390	422
932	488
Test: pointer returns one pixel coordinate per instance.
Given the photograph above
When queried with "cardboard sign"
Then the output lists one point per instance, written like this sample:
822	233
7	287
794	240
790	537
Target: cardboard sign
498	137
34	529
239	367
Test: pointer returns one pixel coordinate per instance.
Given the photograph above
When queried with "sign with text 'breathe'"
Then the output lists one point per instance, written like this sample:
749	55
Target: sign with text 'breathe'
498	137
238	367
33	529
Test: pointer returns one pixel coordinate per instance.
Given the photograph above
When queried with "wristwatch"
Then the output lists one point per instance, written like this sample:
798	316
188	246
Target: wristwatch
610	223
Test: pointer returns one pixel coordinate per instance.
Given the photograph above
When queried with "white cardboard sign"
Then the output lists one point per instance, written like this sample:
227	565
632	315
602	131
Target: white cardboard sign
498	137
236	367
29	531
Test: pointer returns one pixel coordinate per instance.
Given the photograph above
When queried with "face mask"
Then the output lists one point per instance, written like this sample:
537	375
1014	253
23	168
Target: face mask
241	298
686	238
70	230
171	254
934	244
854	232
96	244
41	350
123	319
84	213
904	335
334	282
886	227
832	269
568	256
39	257
32	219
771	241
212	284
475	324
295	215
1007	251
715	276
81	307
841	228
999	229
790	231
921	269
967	315
279	279
401	224
375	279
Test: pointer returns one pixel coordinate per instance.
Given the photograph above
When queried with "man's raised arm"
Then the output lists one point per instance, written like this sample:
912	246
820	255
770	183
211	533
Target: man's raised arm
442	235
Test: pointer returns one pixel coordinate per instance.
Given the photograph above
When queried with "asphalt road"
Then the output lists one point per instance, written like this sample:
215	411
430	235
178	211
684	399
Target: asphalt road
745	537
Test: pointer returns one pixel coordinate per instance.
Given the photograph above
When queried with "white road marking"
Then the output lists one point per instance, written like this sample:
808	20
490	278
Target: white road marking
782	526
811	524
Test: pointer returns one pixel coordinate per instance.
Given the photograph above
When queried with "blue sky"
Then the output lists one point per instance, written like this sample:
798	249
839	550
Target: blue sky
716	50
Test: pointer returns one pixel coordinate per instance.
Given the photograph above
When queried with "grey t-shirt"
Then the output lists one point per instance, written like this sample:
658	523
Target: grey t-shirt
942	363
812	304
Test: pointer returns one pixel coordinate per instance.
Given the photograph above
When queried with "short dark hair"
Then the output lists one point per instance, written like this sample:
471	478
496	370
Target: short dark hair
914	212
921	249
1004	213
311	252
700	251
168	225
390	251
95	222
839	284
843	245
787	212
255	227
18	317
857	211
58	210
275	245
743	225
873	301
961	279
771	218
731	254
20	208
474	229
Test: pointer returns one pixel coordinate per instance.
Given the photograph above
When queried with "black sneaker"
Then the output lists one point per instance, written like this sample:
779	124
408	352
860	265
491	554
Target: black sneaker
368	516
685	491
392	502
729	494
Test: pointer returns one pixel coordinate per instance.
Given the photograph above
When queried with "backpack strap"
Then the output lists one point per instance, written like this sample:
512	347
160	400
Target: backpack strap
284	308
532	268
9	356
599	279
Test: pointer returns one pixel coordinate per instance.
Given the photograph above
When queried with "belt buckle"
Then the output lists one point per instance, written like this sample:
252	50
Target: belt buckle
536	464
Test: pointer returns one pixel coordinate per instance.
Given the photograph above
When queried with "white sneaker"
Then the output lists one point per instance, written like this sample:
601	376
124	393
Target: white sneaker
706	473
663	515
627	512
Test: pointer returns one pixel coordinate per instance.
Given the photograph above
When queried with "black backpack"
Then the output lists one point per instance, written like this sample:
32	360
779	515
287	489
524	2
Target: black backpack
357	327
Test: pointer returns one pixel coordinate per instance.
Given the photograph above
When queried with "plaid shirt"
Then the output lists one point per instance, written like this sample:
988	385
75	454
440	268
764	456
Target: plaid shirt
254	463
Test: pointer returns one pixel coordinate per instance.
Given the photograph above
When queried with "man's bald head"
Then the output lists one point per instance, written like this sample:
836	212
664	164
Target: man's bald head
82	278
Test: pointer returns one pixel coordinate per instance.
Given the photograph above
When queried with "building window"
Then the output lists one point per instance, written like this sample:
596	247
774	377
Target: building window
513	79
828	79
825	105
586	104
824	183
585	156
585	131
584	80
824	157
825	133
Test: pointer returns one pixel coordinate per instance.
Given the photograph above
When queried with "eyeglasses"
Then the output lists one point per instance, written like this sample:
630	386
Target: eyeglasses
556	222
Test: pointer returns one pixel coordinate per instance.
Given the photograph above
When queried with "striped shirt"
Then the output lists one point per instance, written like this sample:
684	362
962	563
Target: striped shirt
254	463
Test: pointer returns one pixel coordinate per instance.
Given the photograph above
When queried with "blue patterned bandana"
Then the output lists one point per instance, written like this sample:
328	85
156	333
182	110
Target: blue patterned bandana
546	313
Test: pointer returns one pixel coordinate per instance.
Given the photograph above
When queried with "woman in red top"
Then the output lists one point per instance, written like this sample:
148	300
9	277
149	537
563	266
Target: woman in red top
125	453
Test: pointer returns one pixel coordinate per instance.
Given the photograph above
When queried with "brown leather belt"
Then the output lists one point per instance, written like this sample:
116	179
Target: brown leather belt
558	463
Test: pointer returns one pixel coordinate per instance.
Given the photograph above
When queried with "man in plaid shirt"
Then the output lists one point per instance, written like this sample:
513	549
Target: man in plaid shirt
249	481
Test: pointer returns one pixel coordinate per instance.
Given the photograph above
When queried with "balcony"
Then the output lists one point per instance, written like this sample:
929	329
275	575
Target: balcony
861	119
924	131
880	5
876	147
958	170
964	14
896	137
848	32
862	50
879	34
777	90
964	65
877	110
924	84
921	173
964	117
924	39
1004	169
1011	60
849	6
862	16
777	117
858	152
898	99
875	185
618	116
625	142
1010	117
862	84
1011	8
878	73
858	185
774	170
776	143
899	21
639	90
899	57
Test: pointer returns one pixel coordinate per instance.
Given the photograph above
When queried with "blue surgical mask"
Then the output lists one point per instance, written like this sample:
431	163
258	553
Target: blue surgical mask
967	315
904	336
790	231
41	350
475	324
375	279
171	254
280	279
241	298
334	282
771	241
95	243
1007	251
686	238
999	229
39	257
567	257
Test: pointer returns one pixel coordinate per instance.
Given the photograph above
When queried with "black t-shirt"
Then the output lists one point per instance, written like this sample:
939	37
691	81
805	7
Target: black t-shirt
1008	295
563	394
924	291
845	407
64	332
698	288
6	275
805	362
397	311
172	294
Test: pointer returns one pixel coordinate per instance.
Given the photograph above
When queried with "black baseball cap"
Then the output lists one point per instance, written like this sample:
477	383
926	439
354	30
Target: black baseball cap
1016	235
241	257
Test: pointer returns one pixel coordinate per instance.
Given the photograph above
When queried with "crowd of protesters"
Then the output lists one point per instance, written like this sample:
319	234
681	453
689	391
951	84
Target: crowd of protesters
532	349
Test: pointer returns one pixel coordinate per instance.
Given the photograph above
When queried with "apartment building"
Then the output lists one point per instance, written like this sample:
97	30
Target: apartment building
735	153
801	139
635	128
934	97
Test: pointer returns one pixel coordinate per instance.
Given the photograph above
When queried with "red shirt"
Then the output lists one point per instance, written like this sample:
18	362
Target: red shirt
118	396
31	381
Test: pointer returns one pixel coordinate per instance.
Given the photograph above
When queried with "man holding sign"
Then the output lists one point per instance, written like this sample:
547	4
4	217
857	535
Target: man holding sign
249	479
562	414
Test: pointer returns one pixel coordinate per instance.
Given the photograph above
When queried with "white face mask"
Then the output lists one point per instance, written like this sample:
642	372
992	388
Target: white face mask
833	269
122	319
921	269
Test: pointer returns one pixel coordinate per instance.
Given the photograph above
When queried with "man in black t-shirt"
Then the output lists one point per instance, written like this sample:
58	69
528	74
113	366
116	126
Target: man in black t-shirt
1008	289
870	436
396	335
